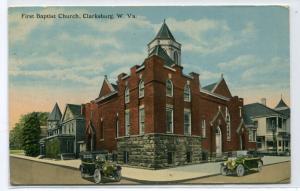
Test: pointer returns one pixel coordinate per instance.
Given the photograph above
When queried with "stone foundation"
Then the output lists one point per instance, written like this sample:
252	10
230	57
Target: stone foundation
152	150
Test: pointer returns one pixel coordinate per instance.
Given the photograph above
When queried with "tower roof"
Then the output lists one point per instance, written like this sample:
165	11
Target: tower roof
281	104
159	51
164	32
55	115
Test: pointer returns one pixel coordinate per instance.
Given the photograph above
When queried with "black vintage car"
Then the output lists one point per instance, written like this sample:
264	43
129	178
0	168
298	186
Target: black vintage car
97	165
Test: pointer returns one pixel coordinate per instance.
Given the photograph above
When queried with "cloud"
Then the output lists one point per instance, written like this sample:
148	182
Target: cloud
91	40
274	70
249	30
208	36
239	62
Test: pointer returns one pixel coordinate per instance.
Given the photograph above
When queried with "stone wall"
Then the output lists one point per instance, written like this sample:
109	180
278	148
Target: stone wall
151	150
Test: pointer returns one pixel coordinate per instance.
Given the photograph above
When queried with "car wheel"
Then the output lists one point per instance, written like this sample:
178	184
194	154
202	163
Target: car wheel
223	170
97	176
118	176
81	172
259	166
240	170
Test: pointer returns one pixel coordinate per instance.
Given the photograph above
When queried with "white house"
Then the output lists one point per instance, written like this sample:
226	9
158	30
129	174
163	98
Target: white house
273	126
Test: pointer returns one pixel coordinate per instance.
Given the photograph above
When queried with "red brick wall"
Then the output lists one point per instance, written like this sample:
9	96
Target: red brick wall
154	74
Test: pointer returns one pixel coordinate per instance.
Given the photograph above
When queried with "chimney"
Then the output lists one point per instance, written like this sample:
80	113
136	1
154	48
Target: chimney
263	101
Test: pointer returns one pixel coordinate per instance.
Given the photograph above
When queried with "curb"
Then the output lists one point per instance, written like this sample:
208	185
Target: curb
167	182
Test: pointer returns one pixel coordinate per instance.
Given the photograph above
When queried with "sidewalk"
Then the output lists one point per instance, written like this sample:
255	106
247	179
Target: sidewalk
177	174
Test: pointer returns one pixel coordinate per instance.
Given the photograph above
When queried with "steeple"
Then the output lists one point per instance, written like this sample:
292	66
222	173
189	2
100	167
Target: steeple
164	33
55	115
167	42
281	105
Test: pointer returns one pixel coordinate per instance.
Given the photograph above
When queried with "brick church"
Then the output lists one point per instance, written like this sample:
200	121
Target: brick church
158	117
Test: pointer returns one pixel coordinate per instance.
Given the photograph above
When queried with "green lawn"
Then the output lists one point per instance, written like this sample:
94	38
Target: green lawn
17	152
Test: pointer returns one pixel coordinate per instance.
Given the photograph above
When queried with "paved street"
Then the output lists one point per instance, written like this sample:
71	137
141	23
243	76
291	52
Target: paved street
277	173
25	171
31	172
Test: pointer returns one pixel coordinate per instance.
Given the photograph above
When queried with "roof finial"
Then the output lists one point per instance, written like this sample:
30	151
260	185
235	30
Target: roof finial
222	76
105	76
281	96
164	20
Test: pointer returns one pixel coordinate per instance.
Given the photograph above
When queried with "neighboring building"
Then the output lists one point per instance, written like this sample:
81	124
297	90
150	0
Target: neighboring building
273	132
65	133
158	117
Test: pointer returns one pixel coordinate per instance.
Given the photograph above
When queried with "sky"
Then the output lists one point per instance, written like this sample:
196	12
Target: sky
65	60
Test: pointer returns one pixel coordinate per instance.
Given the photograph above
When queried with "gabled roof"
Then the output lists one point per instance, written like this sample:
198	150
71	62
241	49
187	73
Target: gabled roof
281	104
55	115
75	110
258	109
210	87
107	88
159	51
246	118
164	33
219	88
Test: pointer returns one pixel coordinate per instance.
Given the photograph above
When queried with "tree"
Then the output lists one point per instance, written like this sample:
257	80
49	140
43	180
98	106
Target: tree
16	137
16	140
31	134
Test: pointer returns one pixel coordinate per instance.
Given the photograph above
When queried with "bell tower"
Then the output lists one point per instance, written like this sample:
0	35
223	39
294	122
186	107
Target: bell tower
167	42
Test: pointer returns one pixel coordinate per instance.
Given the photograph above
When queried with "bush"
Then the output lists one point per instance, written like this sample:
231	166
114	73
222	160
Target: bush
52	148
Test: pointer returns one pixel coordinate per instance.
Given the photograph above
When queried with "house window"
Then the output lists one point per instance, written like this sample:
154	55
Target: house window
126	157
203	125
169	120
187	93
101	129
127	122
142	120
67	146
170	157
141	89
114	157
252	135
187	122
169	88
117	127
127	95
280	123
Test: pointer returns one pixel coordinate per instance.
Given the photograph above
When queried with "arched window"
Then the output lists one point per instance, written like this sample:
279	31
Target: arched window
176	57
169	88
228	126
187	93
117	127
127	95
141	89
203	128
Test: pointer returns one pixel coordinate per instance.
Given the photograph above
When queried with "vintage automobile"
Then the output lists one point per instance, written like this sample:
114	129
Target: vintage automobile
97	165
241	164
